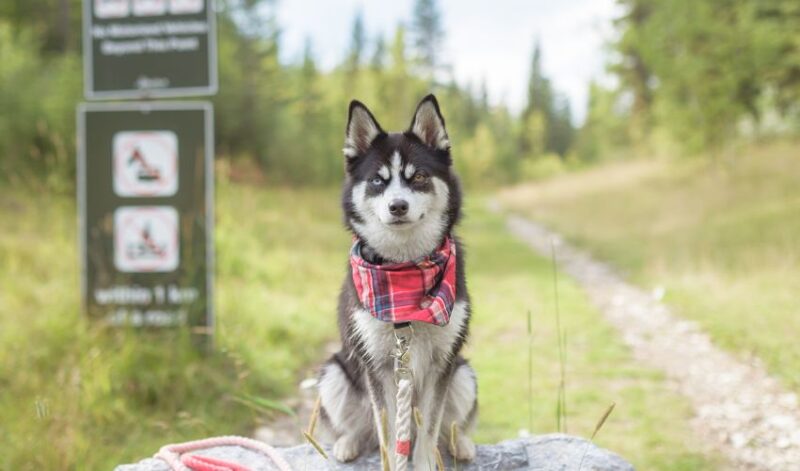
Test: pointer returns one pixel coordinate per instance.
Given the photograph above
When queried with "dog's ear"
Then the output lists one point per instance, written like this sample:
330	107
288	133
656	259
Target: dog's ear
362	129
428	124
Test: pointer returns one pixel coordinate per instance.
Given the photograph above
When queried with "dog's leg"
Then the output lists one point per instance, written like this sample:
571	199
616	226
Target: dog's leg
461	407
381	392
345	409
431	398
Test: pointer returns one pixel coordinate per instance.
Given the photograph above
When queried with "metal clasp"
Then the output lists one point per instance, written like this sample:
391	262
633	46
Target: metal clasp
402	353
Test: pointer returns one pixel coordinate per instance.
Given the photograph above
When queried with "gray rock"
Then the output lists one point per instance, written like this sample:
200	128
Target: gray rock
541	453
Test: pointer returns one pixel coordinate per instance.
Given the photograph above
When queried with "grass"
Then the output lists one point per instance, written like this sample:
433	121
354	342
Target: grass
720	237
76	396
650	423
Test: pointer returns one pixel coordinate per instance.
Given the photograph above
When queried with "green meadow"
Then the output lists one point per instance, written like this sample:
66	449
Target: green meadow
719	236
75	395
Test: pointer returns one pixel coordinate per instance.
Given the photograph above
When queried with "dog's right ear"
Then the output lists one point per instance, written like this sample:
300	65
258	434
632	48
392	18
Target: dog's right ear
362	129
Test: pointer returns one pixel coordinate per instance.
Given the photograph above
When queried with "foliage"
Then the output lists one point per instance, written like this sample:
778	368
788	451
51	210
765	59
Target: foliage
607	128
700	68
288	117
546	122
35	139
75	395
55	23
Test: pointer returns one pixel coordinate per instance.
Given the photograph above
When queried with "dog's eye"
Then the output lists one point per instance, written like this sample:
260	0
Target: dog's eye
419	177
376	181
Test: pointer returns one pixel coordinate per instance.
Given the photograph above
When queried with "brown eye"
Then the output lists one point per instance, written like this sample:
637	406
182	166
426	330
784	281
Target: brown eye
419	177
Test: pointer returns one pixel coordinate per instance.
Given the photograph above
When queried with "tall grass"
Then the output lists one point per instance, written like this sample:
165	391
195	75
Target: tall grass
597	428
561	335
76	395
720	239
505	277
530	372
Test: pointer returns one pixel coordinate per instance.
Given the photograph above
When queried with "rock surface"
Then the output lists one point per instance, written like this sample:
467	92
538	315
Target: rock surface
542	453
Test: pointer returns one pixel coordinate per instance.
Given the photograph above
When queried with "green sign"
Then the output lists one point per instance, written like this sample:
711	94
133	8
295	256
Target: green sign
145	202
149	48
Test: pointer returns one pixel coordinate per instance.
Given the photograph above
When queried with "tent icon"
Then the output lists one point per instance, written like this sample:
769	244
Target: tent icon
146	239
145	172
146	246
145	163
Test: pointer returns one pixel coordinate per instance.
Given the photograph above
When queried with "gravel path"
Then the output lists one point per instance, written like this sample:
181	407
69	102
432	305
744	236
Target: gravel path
740	410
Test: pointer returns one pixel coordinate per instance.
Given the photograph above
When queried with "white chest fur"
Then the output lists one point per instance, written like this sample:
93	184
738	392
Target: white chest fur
430	344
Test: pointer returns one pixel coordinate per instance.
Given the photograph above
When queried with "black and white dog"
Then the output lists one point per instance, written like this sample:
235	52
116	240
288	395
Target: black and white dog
401	200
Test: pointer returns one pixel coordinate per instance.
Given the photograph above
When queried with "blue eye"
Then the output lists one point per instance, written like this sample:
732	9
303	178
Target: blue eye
377	181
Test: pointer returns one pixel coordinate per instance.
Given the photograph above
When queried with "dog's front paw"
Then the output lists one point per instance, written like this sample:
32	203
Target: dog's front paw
465	449
345	449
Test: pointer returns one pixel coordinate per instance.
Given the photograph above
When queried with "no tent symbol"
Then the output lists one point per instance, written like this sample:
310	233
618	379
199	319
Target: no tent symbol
146	239
145	163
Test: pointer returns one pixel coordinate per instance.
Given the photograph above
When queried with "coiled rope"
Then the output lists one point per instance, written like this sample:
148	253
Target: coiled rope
178	459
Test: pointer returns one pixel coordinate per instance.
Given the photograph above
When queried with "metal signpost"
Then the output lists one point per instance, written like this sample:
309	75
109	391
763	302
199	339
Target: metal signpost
146	210
145	169
149	48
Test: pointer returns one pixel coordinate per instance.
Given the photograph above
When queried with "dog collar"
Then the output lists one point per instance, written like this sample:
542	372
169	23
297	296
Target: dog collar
423	290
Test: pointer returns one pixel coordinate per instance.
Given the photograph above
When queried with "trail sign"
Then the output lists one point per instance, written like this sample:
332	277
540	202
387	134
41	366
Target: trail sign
149	48
145	203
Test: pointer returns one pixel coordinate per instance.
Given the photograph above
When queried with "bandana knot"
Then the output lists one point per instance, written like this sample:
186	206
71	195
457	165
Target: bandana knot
423	290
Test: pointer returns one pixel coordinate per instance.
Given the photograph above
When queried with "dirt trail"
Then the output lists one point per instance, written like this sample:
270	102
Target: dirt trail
740	410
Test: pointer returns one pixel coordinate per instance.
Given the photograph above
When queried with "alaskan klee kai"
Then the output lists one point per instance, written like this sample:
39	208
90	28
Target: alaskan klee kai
401	201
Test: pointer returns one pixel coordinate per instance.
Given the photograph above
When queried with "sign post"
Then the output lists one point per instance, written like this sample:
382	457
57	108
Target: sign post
145	169
145	202
149	48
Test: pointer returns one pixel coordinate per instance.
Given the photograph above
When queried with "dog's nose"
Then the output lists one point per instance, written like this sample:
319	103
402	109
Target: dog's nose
398	207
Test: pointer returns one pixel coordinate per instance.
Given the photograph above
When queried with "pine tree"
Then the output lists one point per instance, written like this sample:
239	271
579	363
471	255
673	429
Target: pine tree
546	120
357	43
399	86
540	94
378	55
559	130
631	68
428	36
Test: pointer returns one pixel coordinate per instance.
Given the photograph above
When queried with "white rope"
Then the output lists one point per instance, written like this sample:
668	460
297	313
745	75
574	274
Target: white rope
403	423
404	378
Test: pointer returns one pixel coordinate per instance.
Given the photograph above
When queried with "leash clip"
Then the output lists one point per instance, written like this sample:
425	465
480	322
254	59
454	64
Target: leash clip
402	353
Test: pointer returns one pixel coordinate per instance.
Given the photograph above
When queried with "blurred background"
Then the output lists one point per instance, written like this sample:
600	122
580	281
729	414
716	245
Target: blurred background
661	135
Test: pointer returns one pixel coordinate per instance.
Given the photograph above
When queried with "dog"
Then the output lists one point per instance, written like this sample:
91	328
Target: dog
401	200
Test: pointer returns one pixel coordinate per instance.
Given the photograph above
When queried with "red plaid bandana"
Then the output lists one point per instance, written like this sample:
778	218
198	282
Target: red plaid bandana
422	290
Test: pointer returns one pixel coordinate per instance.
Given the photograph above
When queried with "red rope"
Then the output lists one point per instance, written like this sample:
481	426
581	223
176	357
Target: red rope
403	447
171	454
207	463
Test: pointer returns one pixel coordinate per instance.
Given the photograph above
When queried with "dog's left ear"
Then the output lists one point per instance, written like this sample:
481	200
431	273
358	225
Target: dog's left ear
428	124
362	129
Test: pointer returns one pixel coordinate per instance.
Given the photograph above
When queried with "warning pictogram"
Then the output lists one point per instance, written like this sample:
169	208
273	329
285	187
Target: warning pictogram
146	239
122	8
145	199
149	7
145	163
182	7
111	8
